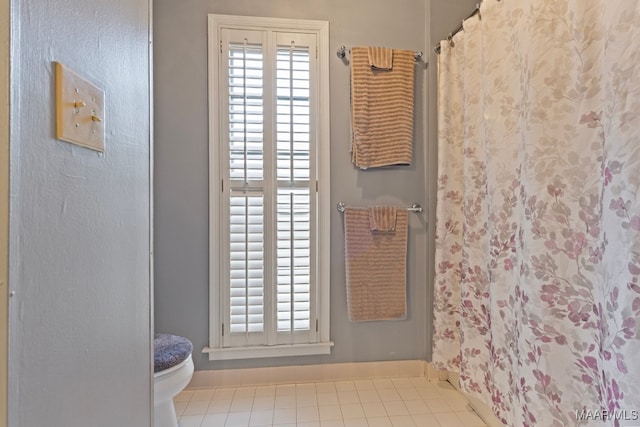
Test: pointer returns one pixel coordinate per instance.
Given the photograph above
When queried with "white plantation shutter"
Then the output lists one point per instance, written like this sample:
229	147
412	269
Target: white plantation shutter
244	199
246	112
246	278
294	260
269	292
295	287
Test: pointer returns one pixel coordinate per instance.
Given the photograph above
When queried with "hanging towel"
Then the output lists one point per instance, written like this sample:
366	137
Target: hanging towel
380	58
382	218
382	106
375	268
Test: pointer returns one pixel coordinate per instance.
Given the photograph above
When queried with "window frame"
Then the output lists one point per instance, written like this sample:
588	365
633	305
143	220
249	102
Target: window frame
217	118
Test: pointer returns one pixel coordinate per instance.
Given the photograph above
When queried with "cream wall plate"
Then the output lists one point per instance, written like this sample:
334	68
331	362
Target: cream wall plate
79	110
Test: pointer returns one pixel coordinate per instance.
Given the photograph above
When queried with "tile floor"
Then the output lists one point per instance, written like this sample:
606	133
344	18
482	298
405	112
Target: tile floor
394	402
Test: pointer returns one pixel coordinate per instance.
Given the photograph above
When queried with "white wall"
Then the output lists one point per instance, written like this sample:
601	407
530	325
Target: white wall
79	339
181	180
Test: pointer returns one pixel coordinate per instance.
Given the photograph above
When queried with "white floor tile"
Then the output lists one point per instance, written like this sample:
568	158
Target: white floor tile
426	420
389	395
327	399
190	420
219	406
367	396
198	407
287	401
402	383
261	418
224	394
387	402
307	414
305	400
438	405
284	416
348	396
383	384
415	407
374	409
205	395
238	419
352	410
261	403
395	408
470	419
379	422
214	420
402	421
330	413
241	404
364	385
409	393
449	419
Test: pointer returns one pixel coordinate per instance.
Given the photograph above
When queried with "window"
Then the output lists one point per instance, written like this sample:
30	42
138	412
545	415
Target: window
269	187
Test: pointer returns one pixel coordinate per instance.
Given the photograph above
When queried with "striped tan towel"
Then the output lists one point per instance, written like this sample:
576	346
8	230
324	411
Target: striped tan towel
382	218
375	268
380	58
382	105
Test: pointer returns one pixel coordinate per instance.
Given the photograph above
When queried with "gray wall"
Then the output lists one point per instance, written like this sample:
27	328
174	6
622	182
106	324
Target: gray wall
80	345
181	187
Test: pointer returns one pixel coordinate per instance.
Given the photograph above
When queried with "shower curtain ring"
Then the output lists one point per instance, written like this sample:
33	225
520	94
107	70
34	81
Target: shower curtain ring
450	39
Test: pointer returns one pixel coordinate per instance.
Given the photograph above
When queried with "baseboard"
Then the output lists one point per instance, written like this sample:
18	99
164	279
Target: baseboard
315	373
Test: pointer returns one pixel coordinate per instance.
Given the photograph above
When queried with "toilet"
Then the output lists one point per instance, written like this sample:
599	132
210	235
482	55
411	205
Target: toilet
173	369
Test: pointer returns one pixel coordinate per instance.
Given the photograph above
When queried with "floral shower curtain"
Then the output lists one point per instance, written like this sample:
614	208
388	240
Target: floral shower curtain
537	288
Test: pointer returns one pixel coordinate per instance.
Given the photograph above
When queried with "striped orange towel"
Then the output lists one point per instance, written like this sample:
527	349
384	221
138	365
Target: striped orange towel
382	218
382	106
380	58
375	268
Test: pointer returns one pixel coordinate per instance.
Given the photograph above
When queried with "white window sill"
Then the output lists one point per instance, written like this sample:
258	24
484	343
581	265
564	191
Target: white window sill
268	351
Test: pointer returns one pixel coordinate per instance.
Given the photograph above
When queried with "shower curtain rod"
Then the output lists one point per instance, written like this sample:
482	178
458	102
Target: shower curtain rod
476	11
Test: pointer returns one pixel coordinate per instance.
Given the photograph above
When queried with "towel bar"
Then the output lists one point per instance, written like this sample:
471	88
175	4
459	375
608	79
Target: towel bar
416	207
342	53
